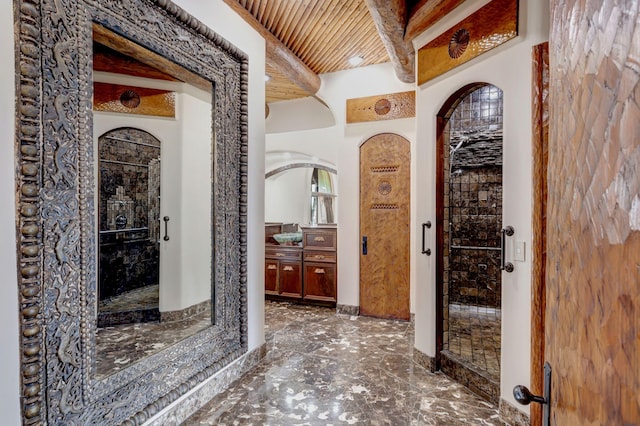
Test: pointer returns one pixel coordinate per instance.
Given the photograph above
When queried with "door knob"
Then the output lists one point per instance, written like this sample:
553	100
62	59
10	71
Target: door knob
523	395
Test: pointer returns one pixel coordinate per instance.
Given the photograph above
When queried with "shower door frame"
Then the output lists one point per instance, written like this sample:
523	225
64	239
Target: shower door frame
442	247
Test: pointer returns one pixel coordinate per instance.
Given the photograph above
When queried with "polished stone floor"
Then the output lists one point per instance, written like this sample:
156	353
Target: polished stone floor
119	346
474	336
327	369
139	298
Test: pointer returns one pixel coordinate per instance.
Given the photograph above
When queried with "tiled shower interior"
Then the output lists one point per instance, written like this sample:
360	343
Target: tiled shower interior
129	210
473	219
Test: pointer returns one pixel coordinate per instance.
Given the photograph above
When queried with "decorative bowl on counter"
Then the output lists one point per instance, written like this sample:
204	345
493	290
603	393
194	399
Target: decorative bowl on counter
288	237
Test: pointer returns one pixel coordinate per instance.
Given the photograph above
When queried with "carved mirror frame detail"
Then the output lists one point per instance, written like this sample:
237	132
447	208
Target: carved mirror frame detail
55	211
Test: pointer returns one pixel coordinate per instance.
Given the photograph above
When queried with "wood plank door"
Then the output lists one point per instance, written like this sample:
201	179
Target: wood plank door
384	226
592	332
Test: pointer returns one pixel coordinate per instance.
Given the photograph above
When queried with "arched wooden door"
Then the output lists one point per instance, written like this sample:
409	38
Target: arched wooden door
384	226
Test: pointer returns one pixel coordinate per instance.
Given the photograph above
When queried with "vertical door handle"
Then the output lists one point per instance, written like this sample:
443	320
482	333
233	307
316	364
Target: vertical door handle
504	232
364	245
425	225
166	228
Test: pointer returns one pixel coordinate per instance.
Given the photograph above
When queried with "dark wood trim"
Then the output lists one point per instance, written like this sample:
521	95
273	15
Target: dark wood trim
442	121
540	123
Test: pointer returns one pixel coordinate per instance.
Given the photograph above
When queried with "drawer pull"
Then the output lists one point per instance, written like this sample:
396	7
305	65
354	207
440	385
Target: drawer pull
319	256
288	268
280	255
319	271
272	267
318	239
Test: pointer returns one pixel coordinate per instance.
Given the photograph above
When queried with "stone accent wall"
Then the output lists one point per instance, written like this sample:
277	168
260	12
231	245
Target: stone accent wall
129	209
473	194
476	218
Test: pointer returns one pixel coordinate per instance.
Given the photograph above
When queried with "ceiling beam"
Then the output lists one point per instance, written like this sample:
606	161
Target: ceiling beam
390	18
426	13
279	56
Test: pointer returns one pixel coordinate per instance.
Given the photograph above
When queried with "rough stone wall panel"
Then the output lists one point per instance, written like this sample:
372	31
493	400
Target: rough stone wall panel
593	264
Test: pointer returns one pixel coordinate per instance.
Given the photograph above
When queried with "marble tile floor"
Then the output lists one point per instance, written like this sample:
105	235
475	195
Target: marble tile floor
139	298
474	336
119	346
327	369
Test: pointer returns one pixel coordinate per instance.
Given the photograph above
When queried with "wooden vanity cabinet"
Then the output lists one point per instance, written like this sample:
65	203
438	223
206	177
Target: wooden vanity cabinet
283	271
320	282
307	274
320	264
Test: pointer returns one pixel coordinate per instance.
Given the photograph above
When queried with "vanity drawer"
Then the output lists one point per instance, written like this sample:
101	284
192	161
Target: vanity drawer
320	256
320	239
283	253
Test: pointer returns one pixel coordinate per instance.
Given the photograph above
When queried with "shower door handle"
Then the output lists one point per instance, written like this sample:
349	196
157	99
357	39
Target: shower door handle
426	225
166	228
504	232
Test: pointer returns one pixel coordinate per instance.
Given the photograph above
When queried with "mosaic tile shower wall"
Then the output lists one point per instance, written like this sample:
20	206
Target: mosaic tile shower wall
471	255
475	198
129	209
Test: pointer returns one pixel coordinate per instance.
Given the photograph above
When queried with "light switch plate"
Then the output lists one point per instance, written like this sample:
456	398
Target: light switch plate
519	250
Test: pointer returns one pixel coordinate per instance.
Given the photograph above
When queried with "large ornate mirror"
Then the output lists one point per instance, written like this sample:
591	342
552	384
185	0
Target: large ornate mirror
59	166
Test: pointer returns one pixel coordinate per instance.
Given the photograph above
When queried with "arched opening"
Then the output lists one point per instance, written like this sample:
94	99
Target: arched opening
469	219
129	227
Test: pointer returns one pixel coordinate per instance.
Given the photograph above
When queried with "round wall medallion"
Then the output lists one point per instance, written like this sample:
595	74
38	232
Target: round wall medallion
459	43
384	188
130	99
383	106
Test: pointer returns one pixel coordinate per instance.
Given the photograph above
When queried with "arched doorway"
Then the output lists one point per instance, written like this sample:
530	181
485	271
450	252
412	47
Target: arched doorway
469	221
129	227
384	226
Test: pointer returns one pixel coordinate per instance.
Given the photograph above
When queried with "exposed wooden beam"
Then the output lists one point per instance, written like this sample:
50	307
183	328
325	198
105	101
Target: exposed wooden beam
126	47
390	18
426	13
279	56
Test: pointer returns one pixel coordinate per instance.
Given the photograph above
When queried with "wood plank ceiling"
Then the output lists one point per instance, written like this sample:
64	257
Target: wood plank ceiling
305	38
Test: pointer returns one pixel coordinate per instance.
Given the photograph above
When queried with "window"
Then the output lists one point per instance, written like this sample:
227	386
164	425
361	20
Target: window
322	197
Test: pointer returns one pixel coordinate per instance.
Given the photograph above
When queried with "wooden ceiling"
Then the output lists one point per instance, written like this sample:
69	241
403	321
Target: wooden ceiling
305	38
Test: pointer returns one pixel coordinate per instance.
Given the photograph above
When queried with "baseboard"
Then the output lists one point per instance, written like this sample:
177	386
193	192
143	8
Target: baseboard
179	411
511	416
468	375
183	314
424	360
348	310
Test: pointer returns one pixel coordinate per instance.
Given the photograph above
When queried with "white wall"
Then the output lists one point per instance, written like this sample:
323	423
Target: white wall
9	352
195	224
340	145
218	16
288	196
509	68
298	114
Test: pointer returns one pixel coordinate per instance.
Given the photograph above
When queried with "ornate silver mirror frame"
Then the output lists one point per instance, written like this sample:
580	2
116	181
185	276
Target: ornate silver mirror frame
56	225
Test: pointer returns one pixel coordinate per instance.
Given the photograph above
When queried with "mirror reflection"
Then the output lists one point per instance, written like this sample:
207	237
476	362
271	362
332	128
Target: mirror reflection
152	126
